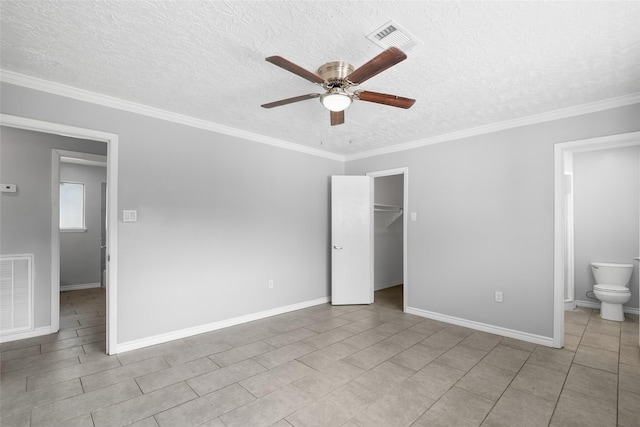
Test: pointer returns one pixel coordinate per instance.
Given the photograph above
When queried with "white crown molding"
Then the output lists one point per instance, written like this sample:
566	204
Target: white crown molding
132	107
563	113
108	101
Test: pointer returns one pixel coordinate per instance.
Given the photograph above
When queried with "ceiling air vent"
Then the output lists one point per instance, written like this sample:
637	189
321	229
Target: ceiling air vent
392	34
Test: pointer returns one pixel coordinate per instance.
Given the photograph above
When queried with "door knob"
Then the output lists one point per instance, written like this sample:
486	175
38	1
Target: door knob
337	247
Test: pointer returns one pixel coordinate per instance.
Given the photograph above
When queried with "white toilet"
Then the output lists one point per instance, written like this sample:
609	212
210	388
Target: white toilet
612	288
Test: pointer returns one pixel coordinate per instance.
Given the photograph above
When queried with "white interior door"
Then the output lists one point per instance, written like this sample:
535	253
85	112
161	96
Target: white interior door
351	240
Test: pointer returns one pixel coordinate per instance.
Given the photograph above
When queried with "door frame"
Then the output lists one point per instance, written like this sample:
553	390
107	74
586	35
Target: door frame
112	217
405	209
561	150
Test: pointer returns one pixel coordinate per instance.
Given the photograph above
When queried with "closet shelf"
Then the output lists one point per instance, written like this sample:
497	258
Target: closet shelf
394	209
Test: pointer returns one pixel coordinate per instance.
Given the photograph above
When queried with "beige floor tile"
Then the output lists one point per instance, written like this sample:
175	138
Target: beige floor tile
401	407
516	408
604	327
507	358
555	359
574	329
289	337
374	355
57	413
486	380
109	377
605	342
456	408
593	382
462	357
283	355
629	378
175	374
539	381
71	372
434	380
417	357
577	409
327	338
269	381
326	356
223	377
29	362
328	379
16	403
365	339
629	409
238	354
443	340
597	358
138	408
267	410
482	340
571	343
205	408
630	355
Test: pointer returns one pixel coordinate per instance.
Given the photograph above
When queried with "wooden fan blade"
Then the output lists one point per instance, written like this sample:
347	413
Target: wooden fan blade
290	100
295	69
386	59
337	117
383	98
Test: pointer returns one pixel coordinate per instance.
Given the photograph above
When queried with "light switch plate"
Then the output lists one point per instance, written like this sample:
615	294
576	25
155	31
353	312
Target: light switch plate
129	216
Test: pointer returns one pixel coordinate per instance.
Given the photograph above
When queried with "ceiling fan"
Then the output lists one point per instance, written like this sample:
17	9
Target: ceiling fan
339	80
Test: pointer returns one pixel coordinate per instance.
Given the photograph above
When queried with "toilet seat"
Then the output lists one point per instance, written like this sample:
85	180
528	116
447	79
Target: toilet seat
611	288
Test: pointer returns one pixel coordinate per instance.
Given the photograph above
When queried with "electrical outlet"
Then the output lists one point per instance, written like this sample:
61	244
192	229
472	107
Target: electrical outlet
270	284
498	296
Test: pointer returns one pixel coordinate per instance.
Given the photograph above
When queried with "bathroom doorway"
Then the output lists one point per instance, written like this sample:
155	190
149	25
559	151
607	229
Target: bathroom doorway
390	237
576	238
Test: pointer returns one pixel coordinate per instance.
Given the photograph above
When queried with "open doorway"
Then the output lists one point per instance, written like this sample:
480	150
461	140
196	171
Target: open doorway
572	275
390	248
111	141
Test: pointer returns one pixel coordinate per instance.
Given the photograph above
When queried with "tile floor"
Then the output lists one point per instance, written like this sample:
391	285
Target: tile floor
339	366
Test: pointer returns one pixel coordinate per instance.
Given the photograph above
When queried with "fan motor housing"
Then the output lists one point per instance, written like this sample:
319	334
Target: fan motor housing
335	70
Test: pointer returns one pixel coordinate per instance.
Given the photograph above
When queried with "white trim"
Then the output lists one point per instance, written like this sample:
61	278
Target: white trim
79	286
497	330
559	247
132	107
108	101
596	305
188	332
112	215
563	113
405	206
46	330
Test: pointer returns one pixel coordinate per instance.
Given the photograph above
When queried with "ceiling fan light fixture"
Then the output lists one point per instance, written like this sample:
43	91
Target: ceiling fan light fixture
336	100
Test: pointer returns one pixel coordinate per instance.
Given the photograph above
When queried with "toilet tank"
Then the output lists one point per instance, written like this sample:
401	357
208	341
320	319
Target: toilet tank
611	273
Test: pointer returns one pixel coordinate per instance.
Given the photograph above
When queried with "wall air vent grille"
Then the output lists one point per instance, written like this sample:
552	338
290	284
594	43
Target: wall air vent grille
16	290
392	34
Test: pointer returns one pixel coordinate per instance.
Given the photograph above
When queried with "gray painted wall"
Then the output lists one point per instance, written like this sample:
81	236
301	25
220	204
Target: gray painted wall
80	252
388	239
218	216
25	216
607	208
485	209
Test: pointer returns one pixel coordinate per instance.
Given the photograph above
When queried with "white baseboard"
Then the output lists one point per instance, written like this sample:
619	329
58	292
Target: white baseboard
596	305
45	330
188	332
386	285
497	330
80	286
569	305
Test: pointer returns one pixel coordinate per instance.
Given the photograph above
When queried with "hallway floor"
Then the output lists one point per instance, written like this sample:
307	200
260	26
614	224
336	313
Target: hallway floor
324	365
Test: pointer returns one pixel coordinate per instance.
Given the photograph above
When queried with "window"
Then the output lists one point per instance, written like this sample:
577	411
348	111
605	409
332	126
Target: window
72	206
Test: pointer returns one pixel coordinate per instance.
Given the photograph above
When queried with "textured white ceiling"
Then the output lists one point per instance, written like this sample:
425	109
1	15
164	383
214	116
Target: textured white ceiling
479	62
